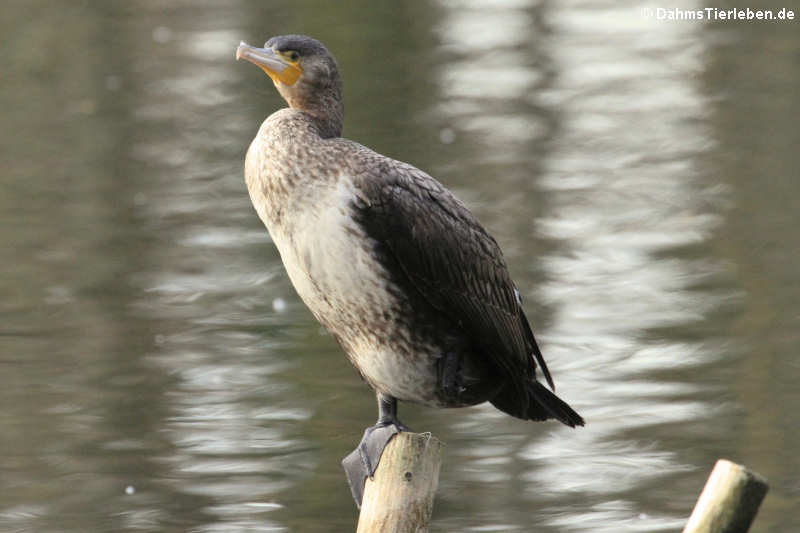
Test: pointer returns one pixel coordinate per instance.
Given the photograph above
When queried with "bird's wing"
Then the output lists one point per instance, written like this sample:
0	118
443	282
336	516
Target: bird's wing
453	262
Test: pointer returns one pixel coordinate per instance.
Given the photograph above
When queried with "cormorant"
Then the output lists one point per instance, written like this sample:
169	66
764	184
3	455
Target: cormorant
397	269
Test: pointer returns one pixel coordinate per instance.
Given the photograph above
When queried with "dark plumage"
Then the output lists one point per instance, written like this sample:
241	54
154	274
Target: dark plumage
400	272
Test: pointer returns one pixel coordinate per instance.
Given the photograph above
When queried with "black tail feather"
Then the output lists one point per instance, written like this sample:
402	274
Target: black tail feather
534	347
542	405
542	401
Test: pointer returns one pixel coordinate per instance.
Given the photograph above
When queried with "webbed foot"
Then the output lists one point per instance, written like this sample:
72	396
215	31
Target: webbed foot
362	462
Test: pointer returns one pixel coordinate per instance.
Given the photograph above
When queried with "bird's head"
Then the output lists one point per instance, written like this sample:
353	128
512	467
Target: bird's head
303	70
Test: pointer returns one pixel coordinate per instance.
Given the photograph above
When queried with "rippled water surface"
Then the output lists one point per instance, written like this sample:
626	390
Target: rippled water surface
158	372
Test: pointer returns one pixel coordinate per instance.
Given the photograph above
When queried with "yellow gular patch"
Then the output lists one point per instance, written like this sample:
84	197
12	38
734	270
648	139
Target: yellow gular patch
290	74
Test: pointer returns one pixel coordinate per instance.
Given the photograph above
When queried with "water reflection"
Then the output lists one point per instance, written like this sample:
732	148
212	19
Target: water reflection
160	374
626	193
622	192
233	436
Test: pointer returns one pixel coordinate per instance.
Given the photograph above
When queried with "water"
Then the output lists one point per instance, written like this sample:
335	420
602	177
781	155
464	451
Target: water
160	374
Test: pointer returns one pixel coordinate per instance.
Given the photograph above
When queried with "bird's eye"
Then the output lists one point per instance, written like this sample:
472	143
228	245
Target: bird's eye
294	56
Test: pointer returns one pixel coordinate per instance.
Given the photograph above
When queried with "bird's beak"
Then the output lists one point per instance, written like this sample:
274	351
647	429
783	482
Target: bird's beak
271	62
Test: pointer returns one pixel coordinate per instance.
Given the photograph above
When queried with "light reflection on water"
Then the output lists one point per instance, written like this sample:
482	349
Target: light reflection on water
232	435
152	341
624	192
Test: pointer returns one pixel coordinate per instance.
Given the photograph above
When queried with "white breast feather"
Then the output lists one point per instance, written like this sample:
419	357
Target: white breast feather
328	258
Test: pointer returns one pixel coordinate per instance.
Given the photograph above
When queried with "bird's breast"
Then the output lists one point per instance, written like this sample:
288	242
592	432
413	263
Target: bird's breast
332	264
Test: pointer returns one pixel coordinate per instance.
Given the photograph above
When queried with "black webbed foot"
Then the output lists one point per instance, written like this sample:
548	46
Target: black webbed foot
363	461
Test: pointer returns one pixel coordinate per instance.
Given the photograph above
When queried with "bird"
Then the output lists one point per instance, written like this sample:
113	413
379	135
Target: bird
399	271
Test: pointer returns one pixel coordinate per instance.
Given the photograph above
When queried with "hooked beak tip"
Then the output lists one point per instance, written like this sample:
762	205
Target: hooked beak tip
242	44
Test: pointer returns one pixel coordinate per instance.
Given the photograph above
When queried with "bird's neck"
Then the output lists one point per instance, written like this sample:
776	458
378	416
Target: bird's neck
325	110
329	123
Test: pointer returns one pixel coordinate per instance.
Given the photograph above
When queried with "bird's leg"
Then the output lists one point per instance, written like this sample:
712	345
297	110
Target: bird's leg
363	461
387	412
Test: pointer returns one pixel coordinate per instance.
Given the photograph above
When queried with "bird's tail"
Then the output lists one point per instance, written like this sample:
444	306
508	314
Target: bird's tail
542	405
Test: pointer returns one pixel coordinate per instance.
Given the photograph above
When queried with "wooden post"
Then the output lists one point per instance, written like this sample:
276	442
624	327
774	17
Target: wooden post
729	502
399	497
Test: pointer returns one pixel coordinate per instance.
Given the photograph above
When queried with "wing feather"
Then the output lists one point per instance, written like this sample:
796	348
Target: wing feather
455	264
